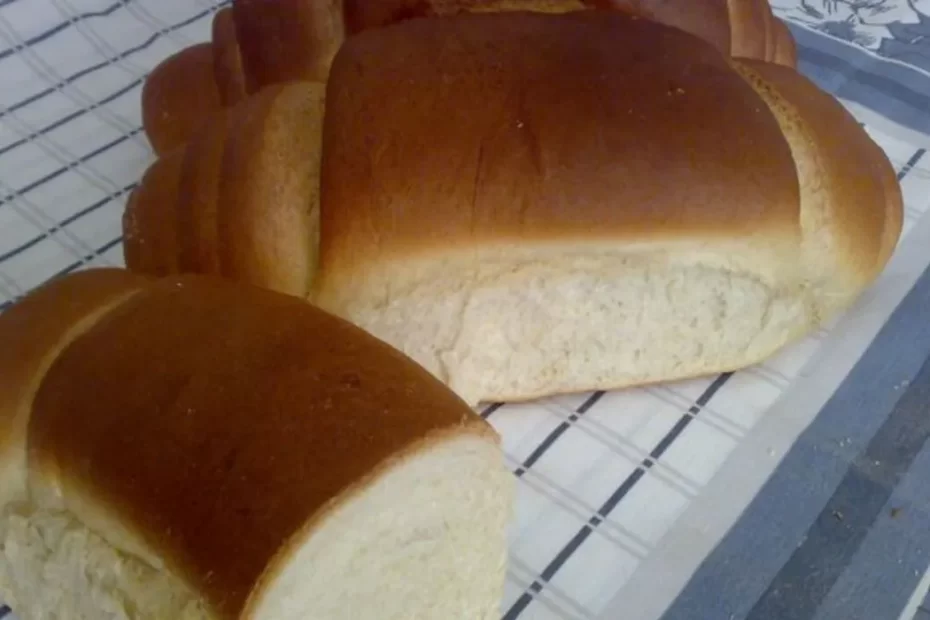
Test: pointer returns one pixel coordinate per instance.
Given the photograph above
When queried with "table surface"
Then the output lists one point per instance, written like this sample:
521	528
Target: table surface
798	489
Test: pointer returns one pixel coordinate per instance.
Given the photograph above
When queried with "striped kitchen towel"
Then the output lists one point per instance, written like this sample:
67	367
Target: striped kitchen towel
798	489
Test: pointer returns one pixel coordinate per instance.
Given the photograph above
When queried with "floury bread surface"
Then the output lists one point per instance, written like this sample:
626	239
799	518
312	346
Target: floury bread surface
196	449
530	204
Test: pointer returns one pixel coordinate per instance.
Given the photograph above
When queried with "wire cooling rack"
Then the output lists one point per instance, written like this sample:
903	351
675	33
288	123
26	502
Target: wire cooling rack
603	477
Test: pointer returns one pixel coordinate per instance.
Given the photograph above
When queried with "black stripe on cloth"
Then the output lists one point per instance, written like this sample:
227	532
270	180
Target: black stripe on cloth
64	224
521	604
834	538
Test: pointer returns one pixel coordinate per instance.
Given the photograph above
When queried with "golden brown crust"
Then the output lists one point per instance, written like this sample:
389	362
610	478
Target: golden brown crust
178	95
198	197
768	33
485	146
725	24
216	419
706	19
267	226
150	221
33	332
258	43
240	199
859	175
367	14
747	27
786	52
499	6
894	206
227	61
287	40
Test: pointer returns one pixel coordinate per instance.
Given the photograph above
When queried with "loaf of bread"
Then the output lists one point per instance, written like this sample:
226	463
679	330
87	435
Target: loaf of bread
190	448
534	204
178	95
257	43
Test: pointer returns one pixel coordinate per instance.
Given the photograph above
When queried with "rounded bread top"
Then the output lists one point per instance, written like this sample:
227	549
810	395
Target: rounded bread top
492	129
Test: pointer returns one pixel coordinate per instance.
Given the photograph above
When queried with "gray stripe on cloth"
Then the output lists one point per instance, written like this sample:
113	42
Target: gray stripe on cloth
867	589
831	545
788	524
898	92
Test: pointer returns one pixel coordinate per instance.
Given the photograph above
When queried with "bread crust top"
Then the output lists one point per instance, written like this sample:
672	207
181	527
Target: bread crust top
486	130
